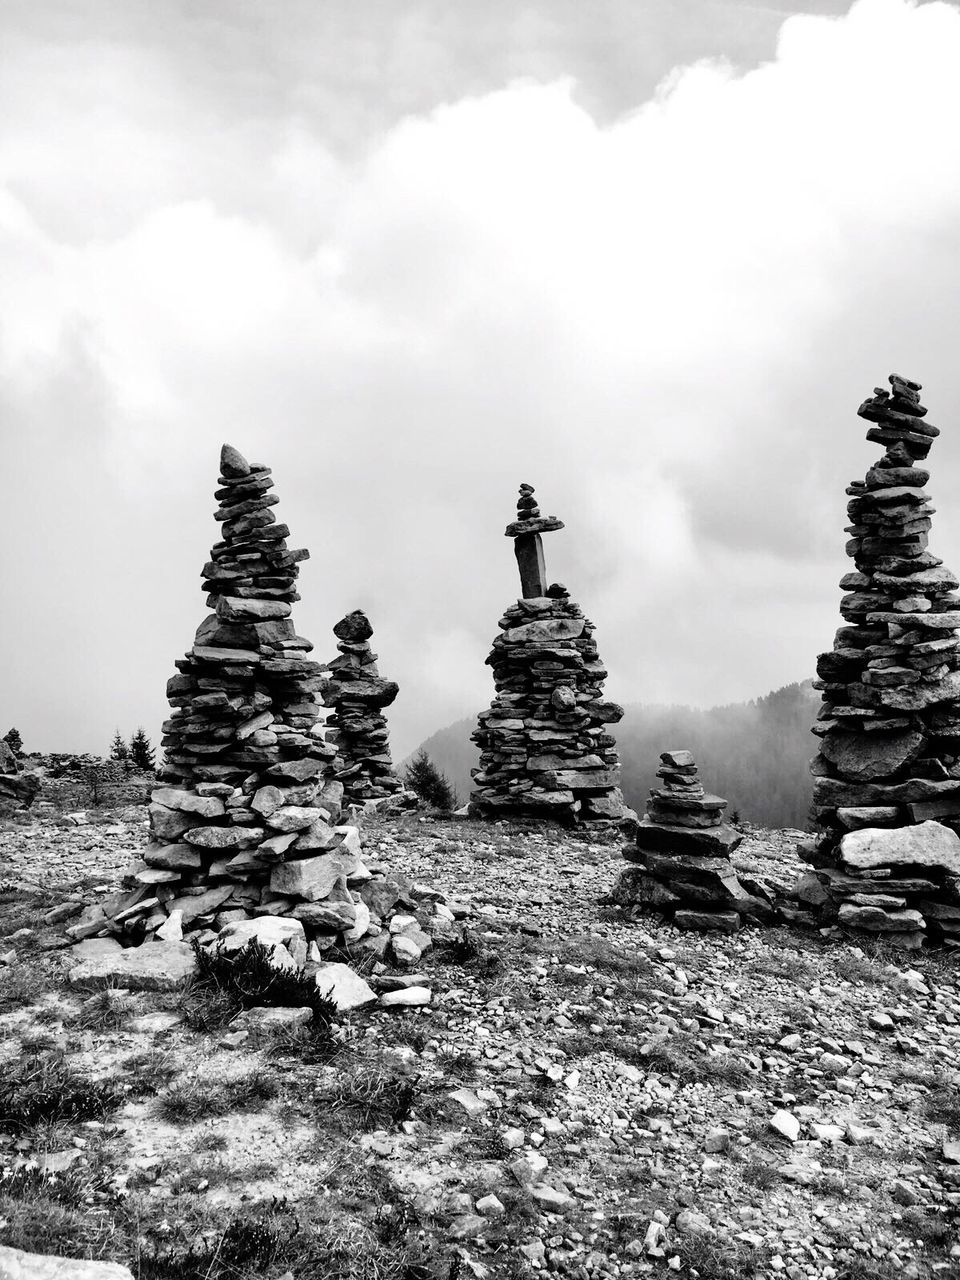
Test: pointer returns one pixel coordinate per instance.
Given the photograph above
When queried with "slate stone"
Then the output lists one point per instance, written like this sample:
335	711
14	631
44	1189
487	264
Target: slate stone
155	966
928	844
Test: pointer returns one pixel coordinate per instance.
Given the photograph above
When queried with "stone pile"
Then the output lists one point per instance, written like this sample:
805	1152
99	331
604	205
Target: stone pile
248	825
679	862
545	744
18	788
886	857
357	729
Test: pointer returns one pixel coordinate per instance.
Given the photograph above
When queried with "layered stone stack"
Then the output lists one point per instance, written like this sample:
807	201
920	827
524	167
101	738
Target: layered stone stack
357	729
887	777
679	863
18	788
248	825
545	745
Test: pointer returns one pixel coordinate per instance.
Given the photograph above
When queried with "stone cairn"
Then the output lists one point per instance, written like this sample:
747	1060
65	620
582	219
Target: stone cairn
886	857
357	729
248	823
545	746
679	863
18	788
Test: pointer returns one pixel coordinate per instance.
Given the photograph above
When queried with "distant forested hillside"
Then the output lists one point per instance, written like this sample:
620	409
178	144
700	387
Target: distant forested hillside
755	754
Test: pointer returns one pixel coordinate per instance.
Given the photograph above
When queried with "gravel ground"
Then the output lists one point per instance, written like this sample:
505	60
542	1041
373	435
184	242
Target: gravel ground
599	1097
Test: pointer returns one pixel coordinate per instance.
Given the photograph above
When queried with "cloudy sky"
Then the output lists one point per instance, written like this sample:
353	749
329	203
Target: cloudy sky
647	255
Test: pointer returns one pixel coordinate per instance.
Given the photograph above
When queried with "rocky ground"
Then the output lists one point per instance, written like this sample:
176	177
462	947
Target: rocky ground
584	1095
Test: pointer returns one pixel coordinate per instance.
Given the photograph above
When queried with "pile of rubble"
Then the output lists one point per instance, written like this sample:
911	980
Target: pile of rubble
679	862
246	836
886	857
545	744
357	729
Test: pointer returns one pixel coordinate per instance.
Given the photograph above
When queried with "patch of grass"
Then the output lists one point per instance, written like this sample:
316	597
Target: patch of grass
39	1224
783	964
942	1104
680	1057
190	1100
21	985
250	979
309	1043
150	1070
378	1095
627	967
757	1173
207	1009
104	1011
191	1250
458	1065
717	1257
406	1029
43	1087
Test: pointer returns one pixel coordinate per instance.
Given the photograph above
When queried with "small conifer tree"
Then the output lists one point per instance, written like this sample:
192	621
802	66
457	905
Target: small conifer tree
119	750
141	752
425	780
14	741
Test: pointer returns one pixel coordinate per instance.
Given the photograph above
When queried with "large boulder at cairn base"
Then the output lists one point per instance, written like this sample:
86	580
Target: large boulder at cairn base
17	1265
929	844
155	966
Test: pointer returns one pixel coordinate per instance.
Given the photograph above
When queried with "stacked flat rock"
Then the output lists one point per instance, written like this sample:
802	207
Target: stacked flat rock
887	776
679	864
248	823
357	729
545	744
18	789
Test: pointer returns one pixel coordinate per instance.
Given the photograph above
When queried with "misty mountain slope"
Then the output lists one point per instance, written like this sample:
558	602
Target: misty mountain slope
755	754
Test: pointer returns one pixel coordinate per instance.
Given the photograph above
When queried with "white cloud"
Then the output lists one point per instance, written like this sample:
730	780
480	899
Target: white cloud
664	322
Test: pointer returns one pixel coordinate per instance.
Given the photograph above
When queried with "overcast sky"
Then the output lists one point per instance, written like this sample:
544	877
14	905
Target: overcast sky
646	255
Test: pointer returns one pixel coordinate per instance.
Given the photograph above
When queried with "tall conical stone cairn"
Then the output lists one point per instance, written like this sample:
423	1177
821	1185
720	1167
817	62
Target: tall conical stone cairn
887	778
545	745
245	841
357	729
679	863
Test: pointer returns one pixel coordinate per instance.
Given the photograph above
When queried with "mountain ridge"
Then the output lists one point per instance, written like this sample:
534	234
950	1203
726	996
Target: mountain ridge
756	754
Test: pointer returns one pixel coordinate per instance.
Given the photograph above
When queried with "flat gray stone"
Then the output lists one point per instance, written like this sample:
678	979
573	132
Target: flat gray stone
15	1264
342	985
929	844
155	966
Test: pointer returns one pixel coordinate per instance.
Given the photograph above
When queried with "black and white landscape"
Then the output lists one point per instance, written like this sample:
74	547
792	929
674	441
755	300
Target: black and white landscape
383	897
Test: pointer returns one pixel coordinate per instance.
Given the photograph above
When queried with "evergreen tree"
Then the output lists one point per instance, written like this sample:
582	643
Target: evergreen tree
141	752
425	780
119	750
14	741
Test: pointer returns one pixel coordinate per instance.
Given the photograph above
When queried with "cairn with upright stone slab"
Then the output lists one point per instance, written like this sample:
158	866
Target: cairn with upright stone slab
886	857
357	728
245	834
679	862
545	744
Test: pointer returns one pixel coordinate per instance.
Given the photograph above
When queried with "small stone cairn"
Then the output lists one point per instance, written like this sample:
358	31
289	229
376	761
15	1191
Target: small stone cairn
680	861
18	787
545	744
886	856
245	836
357	729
